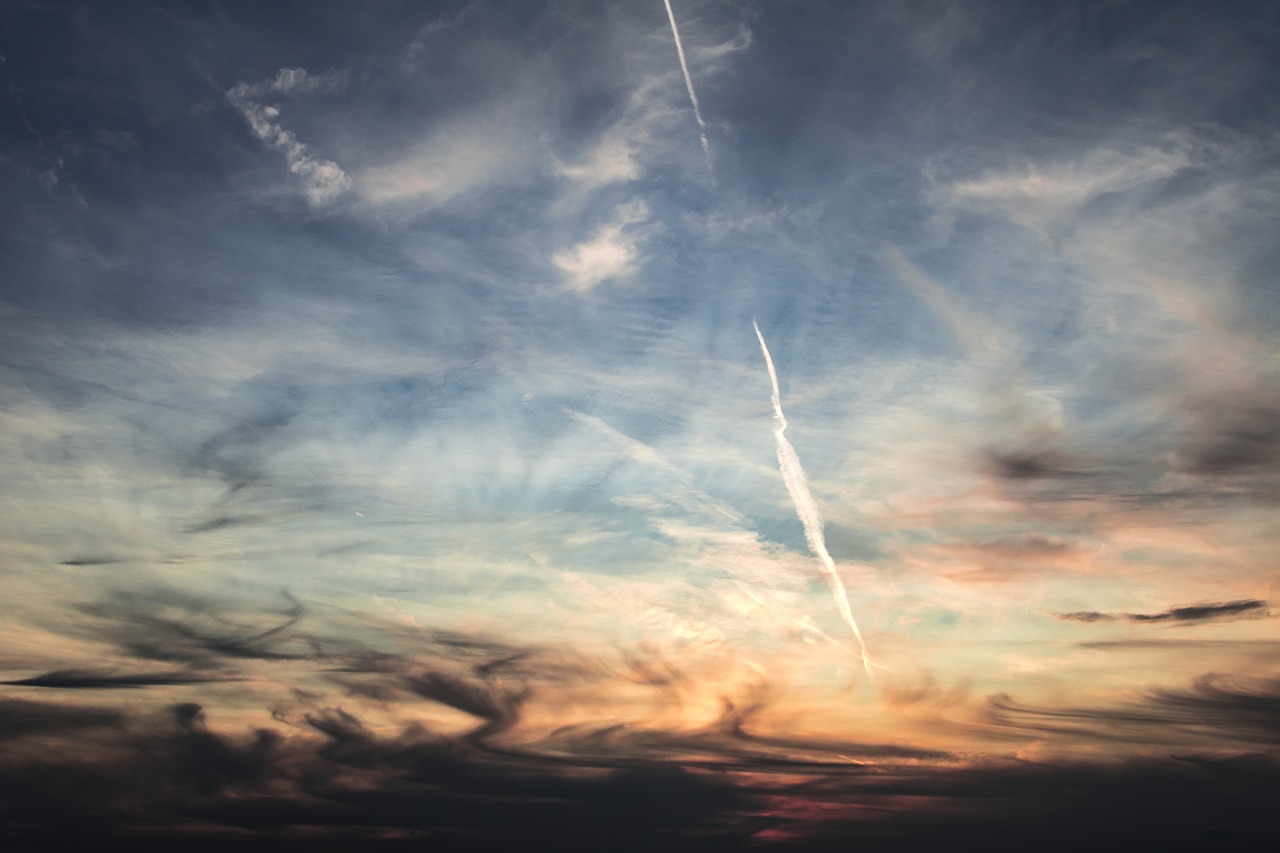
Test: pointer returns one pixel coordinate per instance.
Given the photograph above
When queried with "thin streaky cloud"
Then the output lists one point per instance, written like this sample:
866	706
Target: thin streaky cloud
1251	608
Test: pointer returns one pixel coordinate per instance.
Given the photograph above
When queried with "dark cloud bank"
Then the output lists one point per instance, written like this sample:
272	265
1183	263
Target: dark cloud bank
178	775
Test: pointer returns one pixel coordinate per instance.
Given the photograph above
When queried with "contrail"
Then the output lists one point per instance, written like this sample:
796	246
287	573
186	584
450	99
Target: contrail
688	82
695	500
798	488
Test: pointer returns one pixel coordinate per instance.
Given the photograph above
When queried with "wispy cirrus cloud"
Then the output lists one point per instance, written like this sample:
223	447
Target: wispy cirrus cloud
1042	196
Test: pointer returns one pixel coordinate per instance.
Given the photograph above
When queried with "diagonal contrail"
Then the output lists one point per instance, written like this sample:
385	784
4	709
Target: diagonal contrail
806	508
688	82
694	499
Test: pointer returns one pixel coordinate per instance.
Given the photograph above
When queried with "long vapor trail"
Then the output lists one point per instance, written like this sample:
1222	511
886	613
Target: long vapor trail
806	508
688	82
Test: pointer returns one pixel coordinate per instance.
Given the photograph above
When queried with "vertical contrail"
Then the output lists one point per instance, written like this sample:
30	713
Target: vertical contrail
798	488
688	82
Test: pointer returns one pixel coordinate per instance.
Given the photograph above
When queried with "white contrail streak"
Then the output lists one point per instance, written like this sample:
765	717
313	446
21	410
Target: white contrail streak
688	82
693	499
806	508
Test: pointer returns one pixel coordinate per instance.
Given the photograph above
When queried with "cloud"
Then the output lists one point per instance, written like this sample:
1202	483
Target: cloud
323	180
1214	709
1250	608
1040	197
687	496
982	338
181	774
165	625
612	253
20	718
291	81
495	144
79	679
1231	434
1026	439
612	161
301	770
89	561
510	625
497	708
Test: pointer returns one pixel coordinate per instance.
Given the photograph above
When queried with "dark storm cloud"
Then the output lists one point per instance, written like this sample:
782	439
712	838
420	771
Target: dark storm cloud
1250	608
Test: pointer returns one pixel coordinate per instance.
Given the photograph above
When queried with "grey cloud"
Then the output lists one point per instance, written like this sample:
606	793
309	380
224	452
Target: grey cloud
1029	546
238	453
1265	647
1239	710
1247	608
1250	608
498	707
1232	437
20	718
89	561
340	785
352	785
165	625
80	679
1022	465
352	788
1087	616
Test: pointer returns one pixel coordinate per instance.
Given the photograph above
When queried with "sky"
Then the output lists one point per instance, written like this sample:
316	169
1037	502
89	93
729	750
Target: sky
769	424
